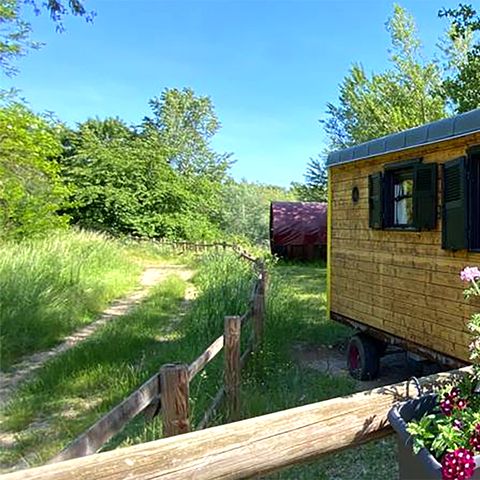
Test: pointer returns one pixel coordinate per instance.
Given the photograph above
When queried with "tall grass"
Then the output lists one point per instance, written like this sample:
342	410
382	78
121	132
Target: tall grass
224	283
49	287
72	391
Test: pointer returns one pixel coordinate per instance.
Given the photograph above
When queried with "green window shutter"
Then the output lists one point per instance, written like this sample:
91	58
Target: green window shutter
454	229
425	196
375	200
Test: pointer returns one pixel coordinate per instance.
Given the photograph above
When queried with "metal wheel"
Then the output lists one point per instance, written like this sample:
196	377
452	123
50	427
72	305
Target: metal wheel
363	357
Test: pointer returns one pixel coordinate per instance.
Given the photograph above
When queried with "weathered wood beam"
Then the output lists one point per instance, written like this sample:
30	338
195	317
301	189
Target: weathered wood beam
243	449
111	423
233	328
207	356
174	397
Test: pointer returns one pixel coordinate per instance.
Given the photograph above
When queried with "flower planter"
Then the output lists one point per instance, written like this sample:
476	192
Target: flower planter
422	465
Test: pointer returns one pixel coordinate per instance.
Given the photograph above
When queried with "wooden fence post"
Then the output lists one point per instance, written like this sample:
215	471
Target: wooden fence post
174	395
258	319
232	366
264	280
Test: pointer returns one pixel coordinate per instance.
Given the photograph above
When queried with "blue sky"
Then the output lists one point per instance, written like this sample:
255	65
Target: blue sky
269	66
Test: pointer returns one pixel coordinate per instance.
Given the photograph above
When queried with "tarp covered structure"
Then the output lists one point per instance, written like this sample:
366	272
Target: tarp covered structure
298	229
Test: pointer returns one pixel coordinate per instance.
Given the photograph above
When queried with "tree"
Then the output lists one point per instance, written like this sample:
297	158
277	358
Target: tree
245	209
462	85
161	179
185	124
315	188
31	190
15	32
404	96
119	180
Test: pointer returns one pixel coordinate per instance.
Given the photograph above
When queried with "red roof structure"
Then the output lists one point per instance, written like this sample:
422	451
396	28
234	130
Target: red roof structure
298	229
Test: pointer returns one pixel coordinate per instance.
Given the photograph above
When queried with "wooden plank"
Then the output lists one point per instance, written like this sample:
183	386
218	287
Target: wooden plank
246	354
212	409
243	449
258	319
111	423
207	356
232	366
174	394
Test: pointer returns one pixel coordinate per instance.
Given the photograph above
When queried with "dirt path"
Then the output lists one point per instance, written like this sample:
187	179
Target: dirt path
151	276
331	359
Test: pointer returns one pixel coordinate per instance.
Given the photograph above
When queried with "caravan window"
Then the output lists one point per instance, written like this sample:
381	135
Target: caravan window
402	199
404	196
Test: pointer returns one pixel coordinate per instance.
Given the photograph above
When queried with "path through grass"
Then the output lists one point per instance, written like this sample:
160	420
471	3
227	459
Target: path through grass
72	391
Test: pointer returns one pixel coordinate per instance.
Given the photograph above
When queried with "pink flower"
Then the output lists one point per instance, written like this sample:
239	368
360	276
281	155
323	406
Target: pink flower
470	274
475	439
458	465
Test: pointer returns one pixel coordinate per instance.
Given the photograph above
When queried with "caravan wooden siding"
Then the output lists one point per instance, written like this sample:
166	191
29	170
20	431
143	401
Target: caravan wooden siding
401	282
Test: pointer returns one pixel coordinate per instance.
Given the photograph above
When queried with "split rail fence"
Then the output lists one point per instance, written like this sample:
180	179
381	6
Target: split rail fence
247	448
167	392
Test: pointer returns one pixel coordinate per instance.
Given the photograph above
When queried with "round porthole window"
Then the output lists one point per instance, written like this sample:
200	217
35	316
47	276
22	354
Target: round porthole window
355	194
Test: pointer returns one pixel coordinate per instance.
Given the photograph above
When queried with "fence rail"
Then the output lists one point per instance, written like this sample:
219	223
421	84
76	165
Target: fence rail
184	246
167	392
248	448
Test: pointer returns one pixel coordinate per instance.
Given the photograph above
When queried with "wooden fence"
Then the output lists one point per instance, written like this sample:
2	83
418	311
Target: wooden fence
167	392
199	247
248	448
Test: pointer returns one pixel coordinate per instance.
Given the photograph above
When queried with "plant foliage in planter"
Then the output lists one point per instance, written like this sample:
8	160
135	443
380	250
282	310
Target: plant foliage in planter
450	428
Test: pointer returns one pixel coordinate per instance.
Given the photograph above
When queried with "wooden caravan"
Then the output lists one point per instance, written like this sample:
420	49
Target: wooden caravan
404	219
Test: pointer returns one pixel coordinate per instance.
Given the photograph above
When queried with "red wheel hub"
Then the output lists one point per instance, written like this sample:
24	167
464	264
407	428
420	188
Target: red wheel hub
354	357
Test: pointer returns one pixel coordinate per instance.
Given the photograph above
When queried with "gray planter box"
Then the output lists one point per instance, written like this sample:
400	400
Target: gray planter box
423	465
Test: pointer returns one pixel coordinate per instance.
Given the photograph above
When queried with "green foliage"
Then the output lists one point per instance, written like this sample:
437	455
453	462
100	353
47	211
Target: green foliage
315	188
404	96
245	211
439	433
184	124
31	190
462	85
75	389
15	32
50	287
128	181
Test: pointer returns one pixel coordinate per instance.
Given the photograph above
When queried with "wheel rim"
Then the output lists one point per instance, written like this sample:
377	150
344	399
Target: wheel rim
354	357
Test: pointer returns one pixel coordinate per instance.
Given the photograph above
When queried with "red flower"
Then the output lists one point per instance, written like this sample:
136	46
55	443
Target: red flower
458	465
475	439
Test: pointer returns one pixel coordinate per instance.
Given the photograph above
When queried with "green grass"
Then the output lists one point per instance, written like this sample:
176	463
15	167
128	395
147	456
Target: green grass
50	287
273	381
72	391
297	315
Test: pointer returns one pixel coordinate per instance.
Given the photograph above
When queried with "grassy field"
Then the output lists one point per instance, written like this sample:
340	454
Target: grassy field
71	392
296	316
274	381
51	287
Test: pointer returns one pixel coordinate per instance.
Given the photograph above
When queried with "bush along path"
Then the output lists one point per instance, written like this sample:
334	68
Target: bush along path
152	276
